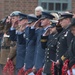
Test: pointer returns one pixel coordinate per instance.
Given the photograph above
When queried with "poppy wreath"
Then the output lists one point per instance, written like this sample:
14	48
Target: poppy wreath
28	71
21	71
65	67
71	69
8	68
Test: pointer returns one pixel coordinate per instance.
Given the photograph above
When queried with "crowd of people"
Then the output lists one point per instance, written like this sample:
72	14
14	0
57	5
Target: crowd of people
37	44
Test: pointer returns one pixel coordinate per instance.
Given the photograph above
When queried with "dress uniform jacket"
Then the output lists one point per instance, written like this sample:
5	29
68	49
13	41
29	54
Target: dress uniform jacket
64	41
12	53
20	49
5	48
12	35
49	43
30	49
70	54
39	51
22	41
30	46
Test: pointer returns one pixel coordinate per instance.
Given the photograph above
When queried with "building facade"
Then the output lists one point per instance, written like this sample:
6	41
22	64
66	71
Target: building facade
28	6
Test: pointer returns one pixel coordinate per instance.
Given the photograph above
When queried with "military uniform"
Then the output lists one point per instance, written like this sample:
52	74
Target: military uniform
12	53
63	44
30	47
64	40
21	44
50	50
40	52
22	41
70	54
5	48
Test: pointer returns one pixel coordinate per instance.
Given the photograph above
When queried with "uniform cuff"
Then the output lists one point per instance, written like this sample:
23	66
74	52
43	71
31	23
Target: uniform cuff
44	38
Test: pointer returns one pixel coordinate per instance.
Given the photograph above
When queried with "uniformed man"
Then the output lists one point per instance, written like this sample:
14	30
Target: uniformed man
49	43
30	47
21	41
70	54
64	38
19	23
5	44
14	19
39	51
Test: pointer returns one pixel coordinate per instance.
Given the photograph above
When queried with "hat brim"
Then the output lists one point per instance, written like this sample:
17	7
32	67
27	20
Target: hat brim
29	22
14	15
52	26
61	18
22	18
42	18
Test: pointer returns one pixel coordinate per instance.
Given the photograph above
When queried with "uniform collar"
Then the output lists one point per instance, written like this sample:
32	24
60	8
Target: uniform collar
68	26
46	27
55	34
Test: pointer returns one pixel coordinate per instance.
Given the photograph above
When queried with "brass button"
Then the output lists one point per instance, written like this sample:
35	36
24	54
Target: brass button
26	38
48	53
24	35
51	45
47	60
47	56
57	55
48	49
57	47
57	51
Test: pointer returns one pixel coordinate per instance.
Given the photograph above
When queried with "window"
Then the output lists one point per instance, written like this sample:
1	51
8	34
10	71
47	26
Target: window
64	6
51	6
44	5
55	5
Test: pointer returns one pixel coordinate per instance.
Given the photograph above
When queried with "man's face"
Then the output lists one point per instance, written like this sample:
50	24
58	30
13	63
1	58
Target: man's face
8	20
23	22
45	22
73	30
38	12
14	19
64	23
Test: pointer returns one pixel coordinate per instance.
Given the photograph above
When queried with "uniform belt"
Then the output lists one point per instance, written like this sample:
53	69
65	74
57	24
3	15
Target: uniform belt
13	43
5	47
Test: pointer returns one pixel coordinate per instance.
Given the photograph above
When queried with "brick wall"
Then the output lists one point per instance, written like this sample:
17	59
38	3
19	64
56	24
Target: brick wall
73	6
25	6
1	8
